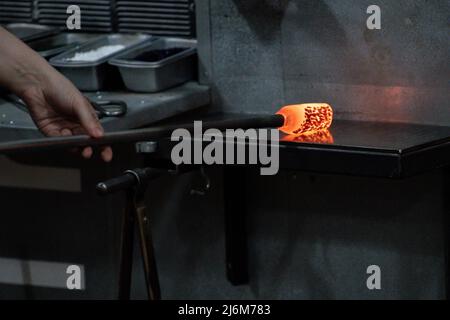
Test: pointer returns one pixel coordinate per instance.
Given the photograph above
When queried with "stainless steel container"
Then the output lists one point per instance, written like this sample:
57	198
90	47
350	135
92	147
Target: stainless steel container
96	74
29	31
154	67
56	44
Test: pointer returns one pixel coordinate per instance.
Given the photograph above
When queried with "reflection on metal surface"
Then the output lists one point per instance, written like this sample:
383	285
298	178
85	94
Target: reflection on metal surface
308	117
322	137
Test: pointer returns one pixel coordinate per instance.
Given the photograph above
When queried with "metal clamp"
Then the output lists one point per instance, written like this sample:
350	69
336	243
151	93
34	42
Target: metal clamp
202	188
146	147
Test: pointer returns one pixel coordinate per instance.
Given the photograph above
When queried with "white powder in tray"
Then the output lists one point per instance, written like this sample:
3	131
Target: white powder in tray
96	54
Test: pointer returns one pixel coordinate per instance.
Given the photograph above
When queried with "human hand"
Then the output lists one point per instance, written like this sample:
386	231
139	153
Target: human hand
57	107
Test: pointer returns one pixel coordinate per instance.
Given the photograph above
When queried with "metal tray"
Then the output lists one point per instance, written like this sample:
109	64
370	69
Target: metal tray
29	31
144	70
96	75
56	44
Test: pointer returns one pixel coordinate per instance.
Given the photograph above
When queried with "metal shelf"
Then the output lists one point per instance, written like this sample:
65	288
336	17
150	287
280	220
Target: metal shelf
374	149
392	150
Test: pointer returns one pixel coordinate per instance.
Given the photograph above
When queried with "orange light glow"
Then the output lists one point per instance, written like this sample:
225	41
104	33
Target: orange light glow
322	137
309	117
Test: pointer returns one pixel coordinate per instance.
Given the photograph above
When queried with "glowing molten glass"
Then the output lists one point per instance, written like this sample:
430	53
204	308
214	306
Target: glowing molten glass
309	117
322	137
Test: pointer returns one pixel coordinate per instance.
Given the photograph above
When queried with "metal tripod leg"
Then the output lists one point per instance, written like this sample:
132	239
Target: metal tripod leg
136	210
147	250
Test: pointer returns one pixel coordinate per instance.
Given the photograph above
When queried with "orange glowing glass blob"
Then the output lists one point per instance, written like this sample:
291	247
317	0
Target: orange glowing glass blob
308	117
321	137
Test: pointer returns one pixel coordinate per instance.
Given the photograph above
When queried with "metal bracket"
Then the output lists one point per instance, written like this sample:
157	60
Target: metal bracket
446	172
236	225
146	147
203	186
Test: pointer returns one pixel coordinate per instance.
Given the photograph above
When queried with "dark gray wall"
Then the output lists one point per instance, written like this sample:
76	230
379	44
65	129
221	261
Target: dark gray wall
60	227
262	54
310	237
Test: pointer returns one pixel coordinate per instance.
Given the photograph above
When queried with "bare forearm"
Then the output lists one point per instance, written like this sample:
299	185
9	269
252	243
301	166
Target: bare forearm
20	66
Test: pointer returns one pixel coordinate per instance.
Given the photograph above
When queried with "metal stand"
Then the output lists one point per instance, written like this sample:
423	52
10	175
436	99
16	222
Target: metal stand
235	225
135	182
447	229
